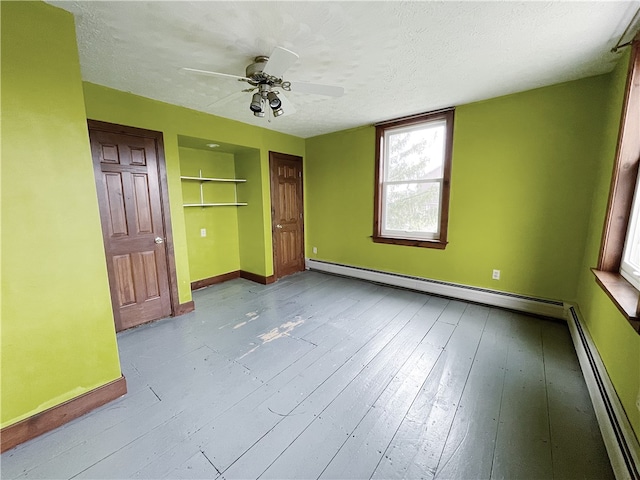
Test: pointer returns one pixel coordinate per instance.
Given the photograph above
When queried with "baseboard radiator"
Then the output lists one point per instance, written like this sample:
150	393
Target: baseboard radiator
512	301
620	441
622	445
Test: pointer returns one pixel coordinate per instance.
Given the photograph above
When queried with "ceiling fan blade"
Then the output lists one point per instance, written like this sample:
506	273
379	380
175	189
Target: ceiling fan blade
317	89
279	61
213	74
287	106
226	99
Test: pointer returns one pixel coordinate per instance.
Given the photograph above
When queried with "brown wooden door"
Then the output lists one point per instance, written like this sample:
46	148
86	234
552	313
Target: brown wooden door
127	180
286	213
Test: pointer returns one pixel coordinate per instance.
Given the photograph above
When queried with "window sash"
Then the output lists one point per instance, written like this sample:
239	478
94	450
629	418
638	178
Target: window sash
410	234
628	269
425	126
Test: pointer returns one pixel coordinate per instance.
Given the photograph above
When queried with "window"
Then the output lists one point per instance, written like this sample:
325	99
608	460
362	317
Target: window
630	263
413	170
619	261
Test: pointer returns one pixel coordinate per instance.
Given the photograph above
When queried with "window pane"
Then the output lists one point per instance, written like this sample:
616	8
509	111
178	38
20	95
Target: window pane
631	254
413	207
415	153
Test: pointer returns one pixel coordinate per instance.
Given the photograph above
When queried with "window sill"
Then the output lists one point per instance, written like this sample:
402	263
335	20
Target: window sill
622	293
411	243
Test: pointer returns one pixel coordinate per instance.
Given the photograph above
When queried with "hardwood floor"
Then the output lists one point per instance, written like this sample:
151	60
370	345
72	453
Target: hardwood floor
318	376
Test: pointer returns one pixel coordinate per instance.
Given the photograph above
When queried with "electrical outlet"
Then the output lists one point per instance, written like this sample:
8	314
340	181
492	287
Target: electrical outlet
315	249
203	232
496	275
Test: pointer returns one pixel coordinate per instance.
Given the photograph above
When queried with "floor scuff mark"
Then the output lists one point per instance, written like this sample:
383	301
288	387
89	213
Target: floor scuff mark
282	331
285	414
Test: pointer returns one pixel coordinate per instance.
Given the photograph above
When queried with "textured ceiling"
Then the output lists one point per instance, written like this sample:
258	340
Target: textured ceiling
392	58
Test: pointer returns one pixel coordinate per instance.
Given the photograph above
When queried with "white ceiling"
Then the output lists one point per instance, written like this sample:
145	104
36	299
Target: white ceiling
392	58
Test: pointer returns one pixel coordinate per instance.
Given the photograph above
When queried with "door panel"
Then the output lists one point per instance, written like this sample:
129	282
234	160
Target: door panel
287	213
150	275
127	180
142	203
138	156
124	279
115	196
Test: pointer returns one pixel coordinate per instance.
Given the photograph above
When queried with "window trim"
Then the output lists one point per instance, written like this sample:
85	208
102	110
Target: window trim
627	270
441	242
623	184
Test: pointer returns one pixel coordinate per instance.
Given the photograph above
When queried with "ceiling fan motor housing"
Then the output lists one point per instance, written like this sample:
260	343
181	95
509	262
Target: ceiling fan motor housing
255	70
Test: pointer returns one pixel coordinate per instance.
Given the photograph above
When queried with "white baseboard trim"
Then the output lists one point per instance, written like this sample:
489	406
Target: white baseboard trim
619	439
522	303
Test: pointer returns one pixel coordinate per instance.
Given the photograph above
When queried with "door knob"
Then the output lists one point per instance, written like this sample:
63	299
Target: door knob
159	240
278	226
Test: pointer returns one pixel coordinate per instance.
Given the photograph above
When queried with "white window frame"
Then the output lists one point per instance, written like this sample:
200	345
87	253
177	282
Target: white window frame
419	235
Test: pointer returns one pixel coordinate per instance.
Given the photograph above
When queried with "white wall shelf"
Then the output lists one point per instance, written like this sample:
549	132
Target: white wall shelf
213	204
205	179
202	180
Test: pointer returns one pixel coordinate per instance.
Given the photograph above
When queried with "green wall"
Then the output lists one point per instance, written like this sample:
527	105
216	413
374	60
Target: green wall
522	173
58	337
114	106
218	252
617	343
530	182
254	230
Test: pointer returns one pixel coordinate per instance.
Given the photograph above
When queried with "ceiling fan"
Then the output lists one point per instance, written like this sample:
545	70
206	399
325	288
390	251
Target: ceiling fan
265	77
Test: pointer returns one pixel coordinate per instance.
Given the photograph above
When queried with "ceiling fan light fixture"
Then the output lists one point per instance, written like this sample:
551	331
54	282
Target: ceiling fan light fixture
259	114
274	102
256	104
277	111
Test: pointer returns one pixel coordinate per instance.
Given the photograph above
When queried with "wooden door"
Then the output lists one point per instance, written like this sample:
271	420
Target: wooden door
286	213
133	226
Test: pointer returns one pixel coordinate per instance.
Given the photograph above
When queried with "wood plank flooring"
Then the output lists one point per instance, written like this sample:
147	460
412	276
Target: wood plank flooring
318	376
